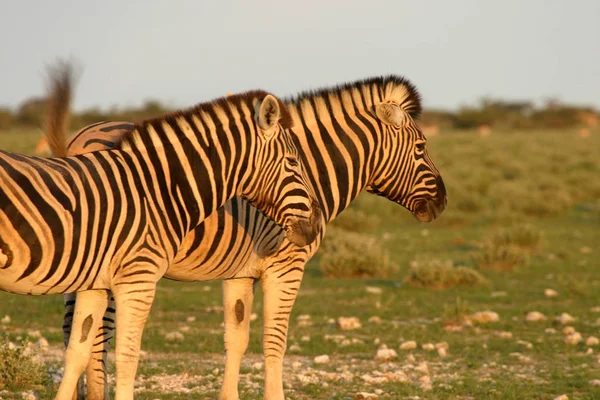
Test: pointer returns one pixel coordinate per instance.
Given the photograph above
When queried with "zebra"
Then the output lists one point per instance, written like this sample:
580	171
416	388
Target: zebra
354	136
115	219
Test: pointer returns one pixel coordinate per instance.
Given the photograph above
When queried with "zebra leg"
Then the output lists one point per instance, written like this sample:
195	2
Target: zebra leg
238	295
97	379
69	300
280	287
89	308
133	306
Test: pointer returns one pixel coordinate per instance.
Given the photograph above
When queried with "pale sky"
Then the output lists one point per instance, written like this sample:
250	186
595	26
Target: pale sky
185	52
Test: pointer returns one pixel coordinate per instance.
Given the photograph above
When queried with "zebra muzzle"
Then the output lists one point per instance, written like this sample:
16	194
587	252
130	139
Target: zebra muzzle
304	231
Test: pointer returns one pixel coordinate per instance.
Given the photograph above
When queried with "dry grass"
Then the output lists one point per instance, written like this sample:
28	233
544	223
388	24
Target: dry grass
18	368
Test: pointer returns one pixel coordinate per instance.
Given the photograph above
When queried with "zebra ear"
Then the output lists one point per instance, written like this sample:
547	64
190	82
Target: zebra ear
269	114
389	114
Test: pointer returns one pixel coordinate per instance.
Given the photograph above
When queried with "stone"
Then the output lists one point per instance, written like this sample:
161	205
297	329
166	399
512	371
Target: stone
253	316
296	365
499	294
442	345
550	293
408	345
191	318
322	359
423	368
5	319
428	347
595	382
573	338
257	366
565	318
484	317
524	343
592	341
365	396
384	354
442	352
348	323
535	316
374	290
42	343
29	395
550	331
562	397
304	320
568	330
305	338
294	348
375	320
174	336
505	335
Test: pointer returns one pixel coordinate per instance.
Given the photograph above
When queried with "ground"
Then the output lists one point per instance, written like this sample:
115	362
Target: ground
545	181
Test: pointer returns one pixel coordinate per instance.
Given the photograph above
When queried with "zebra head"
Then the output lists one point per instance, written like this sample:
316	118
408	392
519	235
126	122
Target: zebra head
282	191
406	174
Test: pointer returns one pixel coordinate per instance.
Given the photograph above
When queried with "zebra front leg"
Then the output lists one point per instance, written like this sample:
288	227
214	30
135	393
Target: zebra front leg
96	374
238	295
69	300
89	309
280	287
133	303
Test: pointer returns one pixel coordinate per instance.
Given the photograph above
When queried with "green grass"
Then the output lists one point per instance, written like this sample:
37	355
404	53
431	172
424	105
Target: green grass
545	181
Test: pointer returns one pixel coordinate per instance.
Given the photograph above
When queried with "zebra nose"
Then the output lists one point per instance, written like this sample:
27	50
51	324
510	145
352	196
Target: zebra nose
304	231
441	200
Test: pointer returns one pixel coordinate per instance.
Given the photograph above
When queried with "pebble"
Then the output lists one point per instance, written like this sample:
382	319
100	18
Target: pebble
422	367
257	366
595	309
524	343
174	336
441	352
374	290
294	348
5	319
568	330
30	395
184	328
550	330
592	341
595	382
573	338
589	351
534	316
348	323
191	318
585	250
365	396
42	343
505	335
386	355
322	359
428	347
305	338
499	294
253	316
442	345
550	293
34	334
304	320
562	397
483	317
425	383
409	345
296	365
565	318
411	358
375	319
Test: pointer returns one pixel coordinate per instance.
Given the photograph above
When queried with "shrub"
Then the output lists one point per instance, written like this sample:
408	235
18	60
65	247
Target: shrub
437	274
354	255
456	313
506	249
18	368
524	236
356	220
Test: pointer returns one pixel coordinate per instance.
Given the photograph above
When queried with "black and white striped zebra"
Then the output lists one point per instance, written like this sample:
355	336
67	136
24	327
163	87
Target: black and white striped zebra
354	136
115	219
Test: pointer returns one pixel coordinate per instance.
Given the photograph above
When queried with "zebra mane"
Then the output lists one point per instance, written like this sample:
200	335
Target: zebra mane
388	88
228	104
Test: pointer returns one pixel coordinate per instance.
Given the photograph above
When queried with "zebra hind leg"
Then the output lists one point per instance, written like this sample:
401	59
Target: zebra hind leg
89	309
96	374
238	295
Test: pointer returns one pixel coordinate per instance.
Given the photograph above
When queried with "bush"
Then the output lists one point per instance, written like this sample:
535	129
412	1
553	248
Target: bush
18	369
524	236
437	274
356	220
346	254
502	252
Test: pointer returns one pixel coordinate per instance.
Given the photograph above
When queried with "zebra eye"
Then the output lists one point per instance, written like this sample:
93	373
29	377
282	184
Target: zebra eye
292	161
420	146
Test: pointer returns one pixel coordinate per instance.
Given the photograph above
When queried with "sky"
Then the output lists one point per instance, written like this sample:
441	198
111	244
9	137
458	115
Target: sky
185	52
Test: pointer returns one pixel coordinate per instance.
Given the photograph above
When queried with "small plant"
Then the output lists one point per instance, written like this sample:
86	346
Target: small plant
456	313
18	368
354	255
356	220
500	257
526	237
437	274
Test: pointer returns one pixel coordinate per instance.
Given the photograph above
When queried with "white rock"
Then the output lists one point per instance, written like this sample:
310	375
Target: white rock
409	345
348	323
386	355
374	290
562	397
294	348
595	382
573	338
375	320
184	328
304	320
534	316
589	351
257	366
524	343
378	392
499	294
565	318
428	347
483	317
34	334
585	250
42	343
568	330
322	359
595	309
296	365
410	358
422	367
550	293
174	336
592	341
425	383
505	335
550	330
442	345
191	318
305	338
253	316
365	396
5	319
376	341
29	395
441	352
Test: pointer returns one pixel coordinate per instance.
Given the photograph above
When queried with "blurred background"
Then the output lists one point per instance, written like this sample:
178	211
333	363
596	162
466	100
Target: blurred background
511	95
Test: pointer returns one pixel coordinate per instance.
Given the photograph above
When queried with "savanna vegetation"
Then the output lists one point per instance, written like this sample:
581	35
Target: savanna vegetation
494	293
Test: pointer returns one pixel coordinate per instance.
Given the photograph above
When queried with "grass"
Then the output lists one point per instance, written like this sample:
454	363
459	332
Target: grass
538	192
